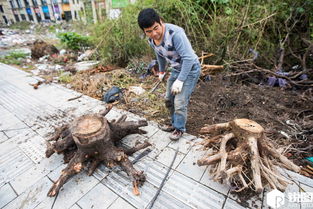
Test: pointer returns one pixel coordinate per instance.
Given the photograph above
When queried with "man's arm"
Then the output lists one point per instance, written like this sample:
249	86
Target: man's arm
161	62
184	49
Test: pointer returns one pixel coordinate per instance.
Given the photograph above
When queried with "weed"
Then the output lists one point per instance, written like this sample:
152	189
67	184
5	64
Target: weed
74	41
23	25
65	77
14	58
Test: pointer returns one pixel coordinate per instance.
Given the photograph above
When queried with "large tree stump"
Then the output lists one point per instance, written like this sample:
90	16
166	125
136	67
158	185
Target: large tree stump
92	138
243	156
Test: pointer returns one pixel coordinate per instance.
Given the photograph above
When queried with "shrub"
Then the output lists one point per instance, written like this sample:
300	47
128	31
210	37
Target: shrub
74	41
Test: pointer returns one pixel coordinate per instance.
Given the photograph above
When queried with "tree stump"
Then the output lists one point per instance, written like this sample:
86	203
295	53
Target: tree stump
244	156
92	138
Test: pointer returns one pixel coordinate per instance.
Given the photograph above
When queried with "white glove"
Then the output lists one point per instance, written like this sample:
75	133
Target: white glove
161	76
177	86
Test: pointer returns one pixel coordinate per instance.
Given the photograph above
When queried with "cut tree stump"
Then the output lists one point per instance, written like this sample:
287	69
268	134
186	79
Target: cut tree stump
91	140
243	156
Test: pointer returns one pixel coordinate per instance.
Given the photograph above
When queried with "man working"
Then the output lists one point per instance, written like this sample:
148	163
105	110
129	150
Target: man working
172	46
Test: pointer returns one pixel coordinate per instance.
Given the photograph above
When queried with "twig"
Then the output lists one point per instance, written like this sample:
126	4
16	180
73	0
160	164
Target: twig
71	99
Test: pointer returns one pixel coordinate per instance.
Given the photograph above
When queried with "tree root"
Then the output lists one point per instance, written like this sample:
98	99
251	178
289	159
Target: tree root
245	157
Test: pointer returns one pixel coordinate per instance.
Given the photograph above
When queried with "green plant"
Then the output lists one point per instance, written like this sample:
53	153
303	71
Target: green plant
65	77
226	28
74	41
23	25
14	58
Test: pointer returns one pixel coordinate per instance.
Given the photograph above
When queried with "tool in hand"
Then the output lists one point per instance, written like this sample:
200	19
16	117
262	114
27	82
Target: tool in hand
157	84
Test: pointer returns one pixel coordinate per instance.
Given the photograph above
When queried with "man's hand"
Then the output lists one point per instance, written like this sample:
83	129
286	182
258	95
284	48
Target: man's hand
161	76
177	86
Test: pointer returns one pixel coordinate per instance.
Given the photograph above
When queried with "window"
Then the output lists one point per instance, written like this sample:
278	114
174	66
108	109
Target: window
19	3
26	3
12	4
43	2
35	3
17	18
23	17
1	9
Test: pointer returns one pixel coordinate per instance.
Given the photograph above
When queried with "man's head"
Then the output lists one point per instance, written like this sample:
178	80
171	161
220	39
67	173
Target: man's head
150	22
147	17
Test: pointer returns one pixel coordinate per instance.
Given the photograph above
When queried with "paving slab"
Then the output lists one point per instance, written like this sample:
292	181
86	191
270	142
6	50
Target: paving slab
32	197
13	162
193	193
99	197
120	203
7	194
189	165
35	173
73	190
3	137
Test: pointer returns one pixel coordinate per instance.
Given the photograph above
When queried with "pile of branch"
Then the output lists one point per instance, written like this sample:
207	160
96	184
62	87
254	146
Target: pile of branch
243	156
208	69
90	140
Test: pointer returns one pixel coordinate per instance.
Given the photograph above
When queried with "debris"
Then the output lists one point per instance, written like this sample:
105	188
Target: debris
85	65
41	48
85	56
71	99
138	90
112	95
244	156
91	138
62	52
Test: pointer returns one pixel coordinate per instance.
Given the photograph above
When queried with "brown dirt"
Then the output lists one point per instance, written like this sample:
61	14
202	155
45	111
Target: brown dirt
286	115
278	110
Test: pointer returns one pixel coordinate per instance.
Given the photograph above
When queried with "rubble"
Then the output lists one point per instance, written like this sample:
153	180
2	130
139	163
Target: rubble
85	65
41	48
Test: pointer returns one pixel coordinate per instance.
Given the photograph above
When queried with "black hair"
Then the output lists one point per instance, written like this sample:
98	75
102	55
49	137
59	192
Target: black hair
147	17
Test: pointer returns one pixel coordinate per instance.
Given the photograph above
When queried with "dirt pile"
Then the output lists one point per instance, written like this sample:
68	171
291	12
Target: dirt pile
41	48
286	114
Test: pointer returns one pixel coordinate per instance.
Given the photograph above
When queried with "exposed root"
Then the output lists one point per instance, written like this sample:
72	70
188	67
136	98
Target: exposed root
244	156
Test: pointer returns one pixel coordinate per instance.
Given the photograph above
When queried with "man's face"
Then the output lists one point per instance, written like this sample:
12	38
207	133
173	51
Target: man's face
155	32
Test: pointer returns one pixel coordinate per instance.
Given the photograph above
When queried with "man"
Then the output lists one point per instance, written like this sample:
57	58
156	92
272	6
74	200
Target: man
172	46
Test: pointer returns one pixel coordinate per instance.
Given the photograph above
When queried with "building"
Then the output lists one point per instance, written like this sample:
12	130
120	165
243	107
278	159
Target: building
59	10
39	10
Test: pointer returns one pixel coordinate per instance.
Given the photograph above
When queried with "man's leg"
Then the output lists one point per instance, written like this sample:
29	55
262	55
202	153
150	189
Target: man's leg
181	102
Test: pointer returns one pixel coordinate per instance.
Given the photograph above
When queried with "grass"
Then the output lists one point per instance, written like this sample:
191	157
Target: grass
14	58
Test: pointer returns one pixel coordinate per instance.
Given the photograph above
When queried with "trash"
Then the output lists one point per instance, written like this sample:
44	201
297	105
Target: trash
62	51
151	69
43	58
138	90
255	54
309	159
281	82
86	55
85	65
115	93
304	77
